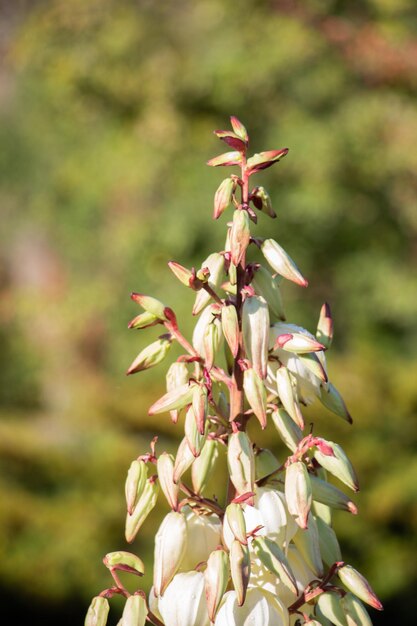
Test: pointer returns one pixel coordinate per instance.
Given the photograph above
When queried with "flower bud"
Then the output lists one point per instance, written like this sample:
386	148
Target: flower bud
240	569
329	546
142	509
239	129
165	465
286	394
207	317
230	327
262	160
298	343
298	492
215	264
170	546
143	320
216	578
266	463
151	305
184	603
355	612
281	262
135	611
308	545
203	465
325	326
211	341
255	328
255	393
174	399
151	355
262	201
183	274
333	401
266	285
261	608
194	439
223	197
176	376
328	606
241	462
124	561
135	482
330	495
313	362
236	521
183	460
97	612
357	584
239	235
199	406
227	158
275	561
338	465
290	433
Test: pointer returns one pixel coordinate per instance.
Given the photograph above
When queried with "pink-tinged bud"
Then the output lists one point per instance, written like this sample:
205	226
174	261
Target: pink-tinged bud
255	393
239	235
240	569
312	362
125	562
286	394
266	285
262	160
135	611
183	460
261	608
215	264
330	495
262	201
170	547
176	376
274	559
298	492
236	521
241	462
266	463
308	545
297	343
165	466
325	326
151	305
333	401
338	464
182	273
227	158
223	197
355	612
239	129
200	407
216	578
230	327
231	139
143	320
357	584
194	438
184	603
151	355
135	482
290	433
97	612
173	400
281	262
255	330
328	606
203	466
142	509
329	546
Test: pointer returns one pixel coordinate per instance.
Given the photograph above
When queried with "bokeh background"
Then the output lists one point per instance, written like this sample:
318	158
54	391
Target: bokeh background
106	114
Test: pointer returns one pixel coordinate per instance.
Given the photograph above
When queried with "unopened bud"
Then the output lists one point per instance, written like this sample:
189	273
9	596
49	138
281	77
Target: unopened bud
216	578
135	611
255	393
297	343
274	559
315	364
151	305
240	569
151	355
329	546
208	316
330	495
135	482
286	394
266	285
200	407
308	545
333	401
325	326
227	158
355	612
239	129
241	462
357	584
174	399
223	197
263	160
144	320
236	521
125	562
328	606
290	433
97	612
239	235
177	375
165	466
203	465
170	547
338	465
142	509
281	262
215	265
230	327
194	438
183	460
298	492
255	328
182	273
262	201
211	341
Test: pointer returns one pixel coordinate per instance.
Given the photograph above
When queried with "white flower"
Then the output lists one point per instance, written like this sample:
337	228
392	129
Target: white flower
260	609
184	601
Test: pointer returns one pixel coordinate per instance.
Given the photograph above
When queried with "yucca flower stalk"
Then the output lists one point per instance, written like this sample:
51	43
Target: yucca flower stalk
266	555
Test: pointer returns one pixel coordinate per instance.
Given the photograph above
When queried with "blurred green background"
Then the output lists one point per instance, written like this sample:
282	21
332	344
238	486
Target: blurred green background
106	114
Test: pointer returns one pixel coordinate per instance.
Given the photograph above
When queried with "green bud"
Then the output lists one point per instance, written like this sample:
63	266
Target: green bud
135	611
298	492
215	264
240	569
241	462
194	439
286	393
236	521
170	547
266	463
165	466
355	612
308	544
262	201
227	158
328	605
263	160
143	320
211	341
239	129
255	329
325	326
151	355
281	262
124	561
151	305
266	285
256	394
142	509
273	558
230	327
239	235
223	197
97	612
135	482
330	495
314	364
290	433
329	546
216	577
203	465
175	399
357	584
333	401
338	465
183	460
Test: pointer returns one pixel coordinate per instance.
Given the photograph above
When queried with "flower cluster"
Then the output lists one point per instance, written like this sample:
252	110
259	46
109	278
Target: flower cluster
268	555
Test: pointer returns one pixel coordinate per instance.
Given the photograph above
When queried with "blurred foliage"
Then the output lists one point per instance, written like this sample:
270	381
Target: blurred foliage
107	108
